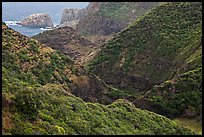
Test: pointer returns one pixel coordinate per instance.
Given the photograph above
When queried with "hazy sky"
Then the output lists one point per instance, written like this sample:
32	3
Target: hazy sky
20	10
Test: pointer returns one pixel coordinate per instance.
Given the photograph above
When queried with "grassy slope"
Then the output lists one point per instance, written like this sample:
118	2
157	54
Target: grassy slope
123	10
158	46
43	106
190	123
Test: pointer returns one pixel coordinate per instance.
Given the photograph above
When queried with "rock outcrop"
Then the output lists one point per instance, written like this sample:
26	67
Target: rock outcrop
103	19
68	41
70	17
40	20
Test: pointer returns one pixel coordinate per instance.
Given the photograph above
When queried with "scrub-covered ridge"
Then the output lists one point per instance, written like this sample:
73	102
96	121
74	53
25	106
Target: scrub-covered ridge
36	103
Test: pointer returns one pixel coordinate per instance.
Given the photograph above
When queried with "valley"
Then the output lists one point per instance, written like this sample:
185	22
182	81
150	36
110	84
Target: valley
113	68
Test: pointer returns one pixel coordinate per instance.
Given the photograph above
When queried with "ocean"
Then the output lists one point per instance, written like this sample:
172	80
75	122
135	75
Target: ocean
12	12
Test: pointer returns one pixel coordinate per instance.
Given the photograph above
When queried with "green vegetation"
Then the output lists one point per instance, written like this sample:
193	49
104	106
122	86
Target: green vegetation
116	93
34	47
42	63
28	102
121	10
190	123
155	62
61	114
182	97
162	44
33	104
109	9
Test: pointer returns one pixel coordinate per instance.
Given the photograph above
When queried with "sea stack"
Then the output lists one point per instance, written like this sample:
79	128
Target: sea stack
40	20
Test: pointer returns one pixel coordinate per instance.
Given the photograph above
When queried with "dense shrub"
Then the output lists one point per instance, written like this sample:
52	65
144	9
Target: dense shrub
28	102
33	47
175	98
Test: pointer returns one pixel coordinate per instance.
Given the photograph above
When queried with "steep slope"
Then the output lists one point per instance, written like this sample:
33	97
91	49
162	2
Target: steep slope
57	113
70	17
33	62
164	44
104	19
174	98
68	41
37	100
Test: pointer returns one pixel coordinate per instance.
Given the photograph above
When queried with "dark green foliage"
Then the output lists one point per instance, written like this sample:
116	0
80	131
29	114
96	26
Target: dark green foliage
45	72
3	23
175	98
159	45
28	102
116	94
61	114
38	99
23	54
9	60
33	47
51	110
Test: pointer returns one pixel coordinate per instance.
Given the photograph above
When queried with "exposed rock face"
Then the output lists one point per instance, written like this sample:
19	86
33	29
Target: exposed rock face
68	41
40	20
70	17
69	24
104	19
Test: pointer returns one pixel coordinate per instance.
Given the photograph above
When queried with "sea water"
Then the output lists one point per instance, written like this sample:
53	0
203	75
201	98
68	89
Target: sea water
13	12
24	30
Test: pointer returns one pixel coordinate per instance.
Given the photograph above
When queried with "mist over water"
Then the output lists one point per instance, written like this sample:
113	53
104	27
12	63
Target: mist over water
17	11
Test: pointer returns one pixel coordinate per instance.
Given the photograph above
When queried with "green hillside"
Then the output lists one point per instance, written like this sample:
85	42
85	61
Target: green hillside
59	114
173	98
30	61
41	64
164	44
36	103
146	80
158	45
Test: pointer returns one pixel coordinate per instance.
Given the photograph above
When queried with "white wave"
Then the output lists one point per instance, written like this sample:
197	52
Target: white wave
45	29
11	22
